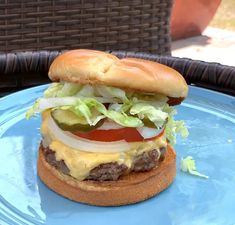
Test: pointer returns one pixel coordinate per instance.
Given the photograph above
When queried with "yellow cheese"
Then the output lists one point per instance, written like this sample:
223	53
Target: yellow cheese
80	163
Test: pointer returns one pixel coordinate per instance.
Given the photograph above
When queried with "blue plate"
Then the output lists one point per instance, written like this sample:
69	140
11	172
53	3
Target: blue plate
210	116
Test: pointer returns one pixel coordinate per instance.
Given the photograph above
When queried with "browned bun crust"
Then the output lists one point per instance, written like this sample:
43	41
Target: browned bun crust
128	189
96	67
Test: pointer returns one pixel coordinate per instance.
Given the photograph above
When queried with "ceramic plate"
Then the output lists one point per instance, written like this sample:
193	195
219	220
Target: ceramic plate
190	200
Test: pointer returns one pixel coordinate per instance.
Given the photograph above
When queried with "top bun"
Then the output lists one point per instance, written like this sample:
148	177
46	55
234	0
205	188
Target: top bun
96	67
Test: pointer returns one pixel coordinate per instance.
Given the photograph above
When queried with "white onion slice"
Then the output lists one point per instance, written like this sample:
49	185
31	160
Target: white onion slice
109	125
83	144
45	103
147	132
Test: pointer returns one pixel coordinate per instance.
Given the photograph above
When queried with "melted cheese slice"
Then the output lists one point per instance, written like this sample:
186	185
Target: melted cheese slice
80	163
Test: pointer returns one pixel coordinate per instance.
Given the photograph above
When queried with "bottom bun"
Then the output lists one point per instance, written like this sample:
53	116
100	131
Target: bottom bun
129	189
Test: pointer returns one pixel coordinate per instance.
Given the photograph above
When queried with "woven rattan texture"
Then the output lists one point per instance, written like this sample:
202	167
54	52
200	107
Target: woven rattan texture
135	25
22	70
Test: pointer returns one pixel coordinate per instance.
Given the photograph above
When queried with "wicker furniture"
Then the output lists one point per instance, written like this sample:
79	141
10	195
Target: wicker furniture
134	25
22	70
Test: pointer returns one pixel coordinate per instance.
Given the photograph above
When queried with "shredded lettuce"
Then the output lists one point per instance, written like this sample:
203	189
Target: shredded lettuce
144	110
53	90
188	165
125	107
61	90
124	120
112	92
81	109
85	106
173	127
86	91
33	110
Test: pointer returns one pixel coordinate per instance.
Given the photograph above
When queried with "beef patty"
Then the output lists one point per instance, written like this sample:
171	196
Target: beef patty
112	171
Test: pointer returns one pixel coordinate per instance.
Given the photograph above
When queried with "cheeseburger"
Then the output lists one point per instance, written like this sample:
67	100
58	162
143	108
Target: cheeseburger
108	128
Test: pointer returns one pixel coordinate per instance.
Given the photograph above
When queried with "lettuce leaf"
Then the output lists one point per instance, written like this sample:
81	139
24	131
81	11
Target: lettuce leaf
173	127
33	110
144	110
61	90
188	165
112	92
86	91
52	90
124	120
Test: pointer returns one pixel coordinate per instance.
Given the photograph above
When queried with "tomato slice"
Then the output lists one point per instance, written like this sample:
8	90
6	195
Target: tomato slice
128	134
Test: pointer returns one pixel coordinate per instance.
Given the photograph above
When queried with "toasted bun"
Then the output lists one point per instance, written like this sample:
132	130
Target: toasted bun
96	67
128	189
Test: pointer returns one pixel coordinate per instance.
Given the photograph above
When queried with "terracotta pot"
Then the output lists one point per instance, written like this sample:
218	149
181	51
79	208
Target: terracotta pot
191	17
